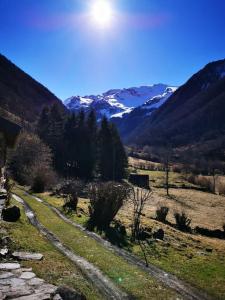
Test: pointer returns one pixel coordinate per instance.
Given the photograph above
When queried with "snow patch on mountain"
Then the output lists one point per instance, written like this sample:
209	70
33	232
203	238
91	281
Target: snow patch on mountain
156	101
117	103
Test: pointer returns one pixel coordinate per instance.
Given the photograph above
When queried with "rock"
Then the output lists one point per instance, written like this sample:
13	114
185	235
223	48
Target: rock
5	241
9	266
35	281
27	275
159	234
4	251
27	255
69	294
11	214
6	275
56	297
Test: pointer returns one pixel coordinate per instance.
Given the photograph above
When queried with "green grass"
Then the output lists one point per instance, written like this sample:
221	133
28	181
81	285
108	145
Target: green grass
55	268
134	281
205	270
190	262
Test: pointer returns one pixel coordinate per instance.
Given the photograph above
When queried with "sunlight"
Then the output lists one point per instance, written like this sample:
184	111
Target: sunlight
102	13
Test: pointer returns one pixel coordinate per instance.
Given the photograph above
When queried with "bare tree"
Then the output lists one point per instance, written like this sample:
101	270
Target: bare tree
139	198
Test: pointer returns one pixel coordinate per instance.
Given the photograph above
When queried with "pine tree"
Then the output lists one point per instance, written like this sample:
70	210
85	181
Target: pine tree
43	124
112	156
70	146
105	151
119	156
50	129
91	125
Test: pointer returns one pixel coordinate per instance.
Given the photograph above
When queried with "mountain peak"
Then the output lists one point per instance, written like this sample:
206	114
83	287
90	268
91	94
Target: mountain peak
117	102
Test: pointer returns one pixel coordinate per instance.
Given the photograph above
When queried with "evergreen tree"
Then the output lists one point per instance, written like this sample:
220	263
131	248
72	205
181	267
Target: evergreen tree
112	156
70	145
43	124
120	162
105	153
50	130
91	126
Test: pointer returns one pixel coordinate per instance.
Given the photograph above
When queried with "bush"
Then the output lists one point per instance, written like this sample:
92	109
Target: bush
221	187
43	178
31	162
106	198
182	222
161	214
202	181
71	189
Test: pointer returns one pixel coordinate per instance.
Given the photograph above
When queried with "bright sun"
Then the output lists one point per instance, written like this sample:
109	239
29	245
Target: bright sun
102	13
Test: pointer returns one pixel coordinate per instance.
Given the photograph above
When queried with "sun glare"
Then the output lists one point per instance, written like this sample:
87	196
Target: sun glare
102	13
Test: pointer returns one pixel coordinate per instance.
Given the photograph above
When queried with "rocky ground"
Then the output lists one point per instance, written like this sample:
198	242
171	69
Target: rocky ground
22	284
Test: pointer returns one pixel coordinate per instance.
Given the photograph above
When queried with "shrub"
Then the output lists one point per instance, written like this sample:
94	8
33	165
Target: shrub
161	214
43	178
71	189
182	221
106	198
221	187
202	181
31	161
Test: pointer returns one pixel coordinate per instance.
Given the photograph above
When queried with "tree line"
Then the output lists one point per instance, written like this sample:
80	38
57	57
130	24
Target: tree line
80	147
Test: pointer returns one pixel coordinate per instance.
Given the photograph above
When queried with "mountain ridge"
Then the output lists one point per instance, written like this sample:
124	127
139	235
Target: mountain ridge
116	103
22	95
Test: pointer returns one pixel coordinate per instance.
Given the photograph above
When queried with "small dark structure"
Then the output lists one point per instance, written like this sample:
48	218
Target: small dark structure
9	132
140	180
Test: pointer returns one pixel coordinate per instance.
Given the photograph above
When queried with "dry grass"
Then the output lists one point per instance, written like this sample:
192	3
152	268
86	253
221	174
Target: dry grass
181	253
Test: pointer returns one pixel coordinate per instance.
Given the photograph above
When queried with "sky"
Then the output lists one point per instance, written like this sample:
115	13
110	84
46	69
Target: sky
60	44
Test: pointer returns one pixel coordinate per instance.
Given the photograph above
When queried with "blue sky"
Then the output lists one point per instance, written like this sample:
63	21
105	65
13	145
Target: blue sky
148	41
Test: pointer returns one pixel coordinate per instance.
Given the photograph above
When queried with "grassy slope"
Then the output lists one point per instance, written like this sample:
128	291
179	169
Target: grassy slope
134	281
54	268
183	254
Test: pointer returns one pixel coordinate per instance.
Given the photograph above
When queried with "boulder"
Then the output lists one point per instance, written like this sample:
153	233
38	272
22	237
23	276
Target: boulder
11	214
27	255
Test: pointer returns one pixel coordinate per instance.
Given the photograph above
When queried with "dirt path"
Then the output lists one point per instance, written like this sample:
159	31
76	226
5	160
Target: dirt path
182	288
105	286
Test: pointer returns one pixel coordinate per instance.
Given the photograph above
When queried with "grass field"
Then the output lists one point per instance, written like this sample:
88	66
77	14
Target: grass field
196	259
54	268
130	278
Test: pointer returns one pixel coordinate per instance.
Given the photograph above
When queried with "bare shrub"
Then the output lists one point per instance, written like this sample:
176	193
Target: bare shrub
161	214
221	187
106	198
44	178
191	179
31	162
70	190
182	221
139	198
202	181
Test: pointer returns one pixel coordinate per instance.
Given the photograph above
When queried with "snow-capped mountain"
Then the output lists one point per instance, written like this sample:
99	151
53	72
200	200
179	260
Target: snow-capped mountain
156	101
117	103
